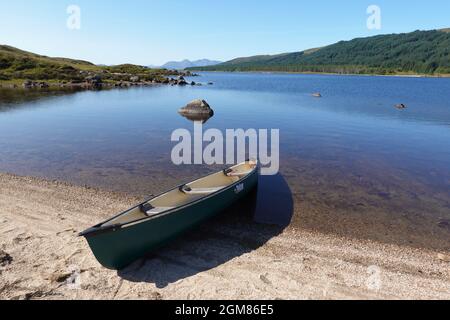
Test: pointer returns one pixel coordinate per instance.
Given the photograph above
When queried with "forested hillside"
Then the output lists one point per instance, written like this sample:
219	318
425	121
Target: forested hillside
419	52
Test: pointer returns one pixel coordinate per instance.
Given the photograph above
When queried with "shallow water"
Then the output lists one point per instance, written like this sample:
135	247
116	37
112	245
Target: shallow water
351	163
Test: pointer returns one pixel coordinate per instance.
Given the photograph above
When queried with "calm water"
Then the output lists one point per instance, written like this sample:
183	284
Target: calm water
351	163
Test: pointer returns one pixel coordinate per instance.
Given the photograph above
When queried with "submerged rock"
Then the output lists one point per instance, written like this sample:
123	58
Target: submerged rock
197	107
444	224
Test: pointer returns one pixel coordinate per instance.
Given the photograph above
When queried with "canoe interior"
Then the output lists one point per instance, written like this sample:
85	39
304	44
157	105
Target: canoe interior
177	198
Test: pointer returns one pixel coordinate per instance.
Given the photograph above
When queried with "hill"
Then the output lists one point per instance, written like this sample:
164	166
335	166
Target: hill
419	52
16	65
181	65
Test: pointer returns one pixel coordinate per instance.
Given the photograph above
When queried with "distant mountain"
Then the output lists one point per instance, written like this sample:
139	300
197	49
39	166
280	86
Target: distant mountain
181	65
419	52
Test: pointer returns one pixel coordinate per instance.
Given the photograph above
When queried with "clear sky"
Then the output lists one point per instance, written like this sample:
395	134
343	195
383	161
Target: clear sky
156	31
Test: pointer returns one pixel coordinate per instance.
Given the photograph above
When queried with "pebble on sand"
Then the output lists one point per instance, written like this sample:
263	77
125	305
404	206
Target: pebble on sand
443	257
5	258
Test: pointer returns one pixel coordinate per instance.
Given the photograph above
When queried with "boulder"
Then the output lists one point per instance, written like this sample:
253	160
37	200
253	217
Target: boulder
94	81
182	82
197	107
134	79
27	84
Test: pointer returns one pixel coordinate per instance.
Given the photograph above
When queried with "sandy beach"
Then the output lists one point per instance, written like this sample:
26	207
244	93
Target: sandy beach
228	258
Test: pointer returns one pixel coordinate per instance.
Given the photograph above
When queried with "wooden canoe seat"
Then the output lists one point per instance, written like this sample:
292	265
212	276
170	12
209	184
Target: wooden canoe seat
159	210
237	173
188	190
149	210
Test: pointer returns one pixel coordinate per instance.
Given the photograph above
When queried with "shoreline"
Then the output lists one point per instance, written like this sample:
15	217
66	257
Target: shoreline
443	76
96	84
227	258
81	86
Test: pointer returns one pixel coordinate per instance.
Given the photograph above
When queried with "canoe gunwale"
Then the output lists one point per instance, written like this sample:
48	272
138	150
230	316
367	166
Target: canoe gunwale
100	228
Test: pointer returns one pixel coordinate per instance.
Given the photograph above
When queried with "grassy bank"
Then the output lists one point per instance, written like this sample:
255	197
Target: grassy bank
18	66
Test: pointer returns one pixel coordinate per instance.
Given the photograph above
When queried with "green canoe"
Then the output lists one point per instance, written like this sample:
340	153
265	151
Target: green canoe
132	234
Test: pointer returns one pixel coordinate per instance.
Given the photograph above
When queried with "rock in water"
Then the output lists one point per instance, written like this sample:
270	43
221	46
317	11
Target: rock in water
197	107
27	84
317	95
400	106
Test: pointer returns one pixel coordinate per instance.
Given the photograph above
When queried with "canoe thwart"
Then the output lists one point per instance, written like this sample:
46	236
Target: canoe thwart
145	207
150	210
238	174
189	190
227	171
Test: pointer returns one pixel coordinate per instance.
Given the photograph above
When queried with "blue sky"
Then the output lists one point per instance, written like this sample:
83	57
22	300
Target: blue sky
155	31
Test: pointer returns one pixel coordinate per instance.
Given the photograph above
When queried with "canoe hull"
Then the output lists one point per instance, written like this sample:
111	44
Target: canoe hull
117	248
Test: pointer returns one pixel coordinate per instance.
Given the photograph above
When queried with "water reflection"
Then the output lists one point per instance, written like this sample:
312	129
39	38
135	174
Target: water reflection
11	99
275	204
202	118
